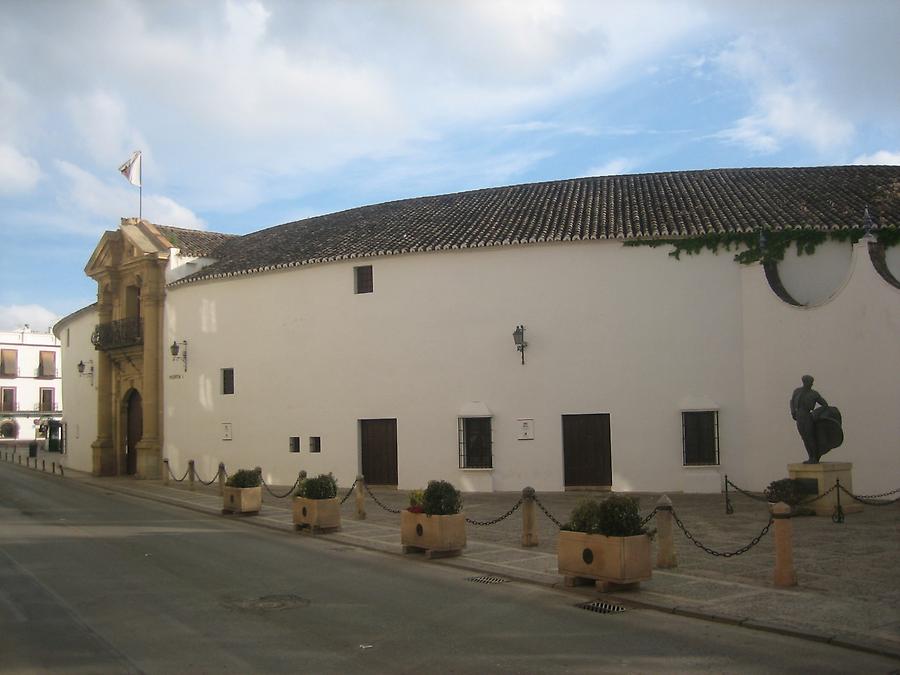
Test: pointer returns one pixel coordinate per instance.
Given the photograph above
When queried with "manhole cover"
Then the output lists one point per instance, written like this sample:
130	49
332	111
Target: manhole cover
488	580
268	603
601	607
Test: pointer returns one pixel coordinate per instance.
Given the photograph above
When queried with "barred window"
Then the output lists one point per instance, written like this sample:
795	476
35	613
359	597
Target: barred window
8	399
475	443
315	444
700	435
227	380
364	281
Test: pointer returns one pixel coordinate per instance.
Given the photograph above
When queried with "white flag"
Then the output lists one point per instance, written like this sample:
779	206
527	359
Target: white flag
132	169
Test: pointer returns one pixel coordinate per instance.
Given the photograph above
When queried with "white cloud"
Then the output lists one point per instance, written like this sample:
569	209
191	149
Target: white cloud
18	173
613	167
101	125
96	205
37	317
880	157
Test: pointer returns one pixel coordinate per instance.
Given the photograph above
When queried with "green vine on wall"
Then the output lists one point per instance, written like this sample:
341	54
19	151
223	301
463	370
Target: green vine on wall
776	242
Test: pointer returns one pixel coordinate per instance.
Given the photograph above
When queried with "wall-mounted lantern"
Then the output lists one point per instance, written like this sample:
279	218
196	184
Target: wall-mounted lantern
519	338
86	369
179	348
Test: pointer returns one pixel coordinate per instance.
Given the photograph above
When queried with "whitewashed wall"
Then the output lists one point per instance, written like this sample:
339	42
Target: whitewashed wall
630	332
851	345
29	345
79	392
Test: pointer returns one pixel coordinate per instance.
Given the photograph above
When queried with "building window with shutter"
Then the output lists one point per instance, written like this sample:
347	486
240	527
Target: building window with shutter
8	399
364	280
47	366
9	363
294	444
475	443
47	396
227	380
315	444
700	435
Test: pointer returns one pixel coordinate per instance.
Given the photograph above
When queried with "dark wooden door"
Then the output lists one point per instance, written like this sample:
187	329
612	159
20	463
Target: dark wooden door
134	429
587	460
379	451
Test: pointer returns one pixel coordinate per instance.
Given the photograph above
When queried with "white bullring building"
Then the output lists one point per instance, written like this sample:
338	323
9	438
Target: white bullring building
380	340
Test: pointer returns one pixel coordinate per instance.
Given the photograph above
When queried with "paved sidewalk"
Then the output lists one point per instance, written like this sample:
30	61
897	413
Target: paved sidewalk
849	574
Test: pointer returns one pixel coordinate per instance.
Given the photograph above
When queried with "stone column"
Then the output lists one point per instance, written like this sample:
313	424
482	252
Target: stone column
360	498
103	450
665	553
149	464
784	576
529	520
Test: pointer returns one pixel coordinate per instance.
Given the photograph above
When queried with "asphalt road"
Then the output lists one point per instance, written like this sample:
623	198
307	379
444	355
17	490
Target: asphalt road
97	582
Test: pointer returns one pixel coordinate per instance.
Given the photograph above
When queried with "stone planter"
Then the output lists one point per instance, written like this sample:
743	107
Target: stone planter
437	536
319	515
241	500
606	560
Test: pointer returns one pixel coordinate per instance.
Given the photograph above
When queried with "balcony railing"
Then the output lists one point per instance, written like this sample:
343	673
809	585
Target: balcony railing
121	333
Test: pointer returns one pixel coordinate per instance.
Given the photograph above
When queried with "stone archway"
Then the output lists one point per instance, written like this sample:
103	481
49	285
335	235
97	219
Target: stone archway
134	429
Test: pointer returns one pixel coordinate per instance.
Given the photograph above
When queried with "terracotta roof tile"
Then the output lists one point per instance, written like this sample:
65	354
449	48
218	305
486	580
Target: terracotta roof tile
657	205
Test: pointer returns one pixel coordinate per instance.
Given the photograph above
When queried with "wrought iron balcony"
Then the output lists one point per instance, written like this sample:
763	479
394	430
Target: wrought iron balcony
121	333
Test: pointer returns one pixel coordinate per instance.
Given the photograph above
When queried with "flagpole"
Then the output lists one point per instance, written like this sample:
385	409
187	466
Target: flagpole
141	201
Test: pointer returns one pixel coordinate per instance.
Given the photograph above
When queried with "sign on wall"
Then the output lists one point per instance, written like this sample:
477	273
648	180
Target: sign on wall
226	431
526	429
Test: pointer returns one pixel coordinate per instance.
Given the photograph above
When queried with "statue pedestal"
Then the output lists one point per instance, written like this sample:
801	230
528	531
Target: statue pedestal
826	474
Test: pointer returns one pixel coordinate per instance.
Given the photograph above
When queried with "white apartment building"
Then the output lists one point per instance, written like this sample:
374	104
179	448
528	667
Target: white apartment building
30	387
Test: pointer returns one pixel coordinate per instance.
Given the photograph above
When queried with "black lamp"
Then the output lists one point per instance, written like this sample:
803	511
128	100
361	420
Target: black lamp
519	338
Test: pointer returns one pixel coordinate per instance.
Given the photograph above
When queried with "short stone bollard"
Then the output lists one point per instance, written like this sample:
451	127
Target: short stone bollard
665	552
221	478
784	576
53	468
360	498
166	472
191	474
529	520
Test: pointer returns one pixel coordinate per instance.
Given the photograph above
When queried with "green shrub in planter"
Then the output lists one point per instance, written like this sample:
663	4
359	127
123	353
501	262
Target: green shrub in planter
441	499
244	478
786	490
616	516
324	486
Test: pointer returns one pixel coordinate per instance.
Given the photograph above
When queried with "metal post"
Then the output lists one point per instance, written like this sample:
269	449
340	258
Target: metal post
166	472
61	472
360	498
729	509
191	473
43	464
53	467
665	553
221	478
784	576
838	515
529	521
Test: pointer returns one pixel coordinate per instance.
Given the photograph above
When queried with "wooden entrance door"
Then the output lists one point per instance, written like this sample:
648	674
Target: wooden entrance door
134	429
379	451
587	460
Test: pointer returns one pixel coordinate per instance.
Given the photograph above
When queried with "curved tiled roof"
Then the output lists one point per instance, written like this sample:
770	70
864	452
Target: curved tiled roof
199	243
678	204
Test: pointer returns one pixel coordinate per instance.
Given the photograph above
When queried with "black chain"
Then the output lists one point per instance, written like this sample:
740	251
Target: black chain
214	478
649	516
375	499
498	519
720	554
745	493
818	497
868	500
883	494
547	513
277	496
350	491
178	480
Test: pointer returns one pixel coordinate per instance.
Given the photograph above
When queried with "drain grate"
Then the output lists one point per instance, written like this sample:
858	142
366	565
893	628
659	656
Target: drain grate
488	580
601	607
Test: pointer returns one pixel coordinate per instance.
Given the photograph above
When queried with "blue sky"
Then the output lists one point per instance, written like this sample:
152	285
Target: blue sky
254	113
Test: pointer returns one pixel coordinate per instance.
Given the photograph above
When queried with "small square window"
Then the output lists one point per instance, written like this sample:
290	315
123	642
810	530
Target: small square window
315	444
364	281
700	435
295	444
475	443
227	380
